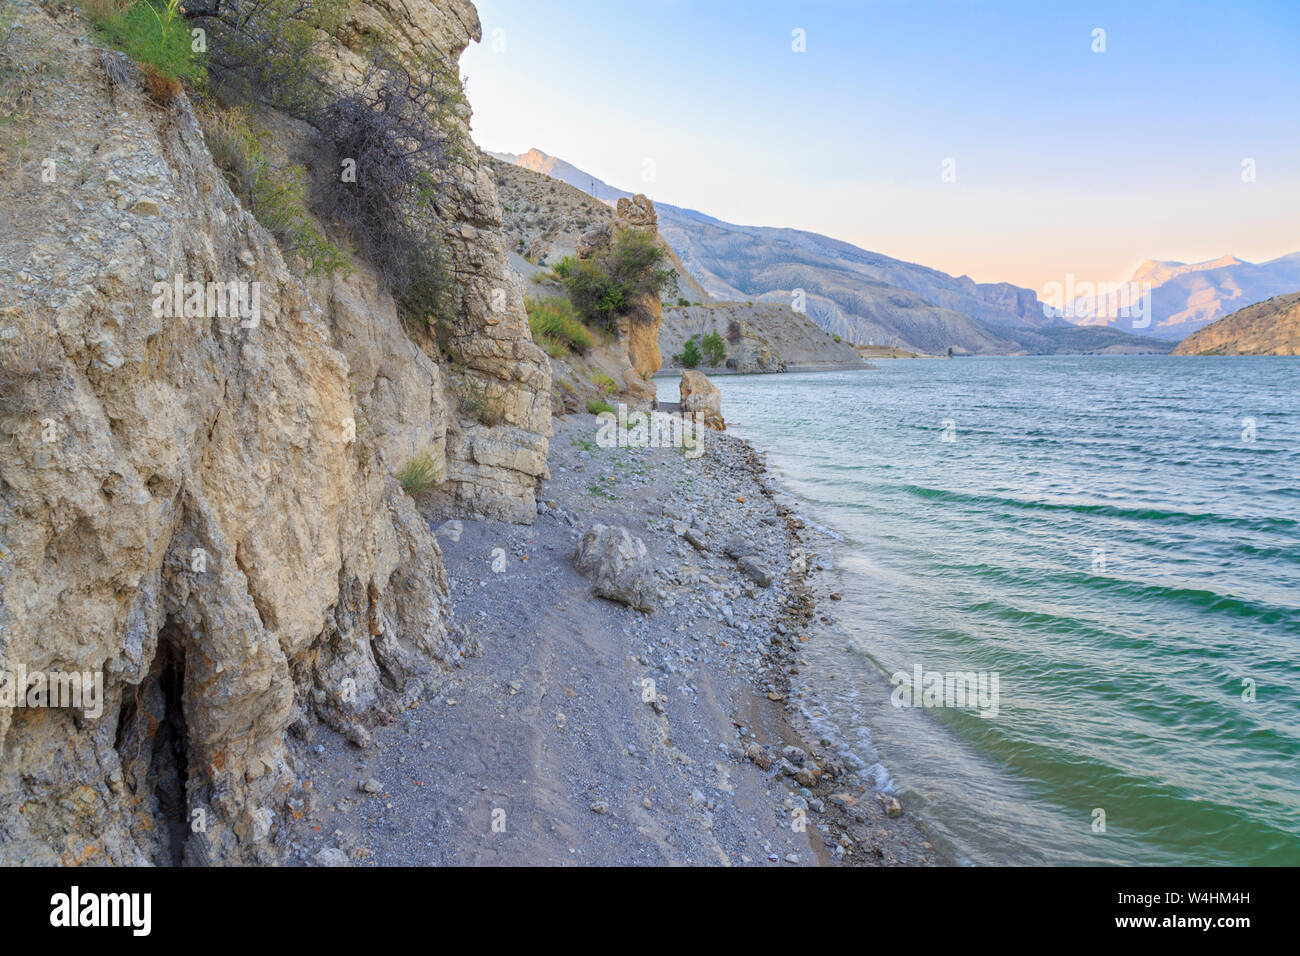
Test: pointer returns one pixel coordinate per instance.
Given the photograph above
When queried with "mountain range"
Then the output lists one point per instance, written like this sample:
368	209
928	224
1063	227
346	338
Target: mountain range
1186	297
873	299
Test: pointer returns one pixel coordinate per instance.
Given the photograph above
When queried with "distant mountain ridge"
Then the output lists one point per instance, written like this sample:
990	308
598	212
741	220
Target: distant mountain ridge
1186	297
865	297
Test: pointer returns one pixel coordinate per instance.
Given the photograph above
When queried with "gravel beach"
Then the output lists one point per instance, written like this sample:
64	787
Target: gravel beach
589	733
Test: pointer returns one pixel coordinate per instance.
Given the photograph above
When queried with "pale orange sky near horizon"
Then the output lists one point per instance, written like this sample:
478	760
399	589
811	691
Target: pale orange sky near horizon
1066	163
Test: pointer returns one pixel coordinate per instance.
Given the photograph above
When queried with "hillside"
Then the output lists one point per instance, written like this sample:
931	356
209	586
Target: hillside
757	338
545	219
864	297
1271	327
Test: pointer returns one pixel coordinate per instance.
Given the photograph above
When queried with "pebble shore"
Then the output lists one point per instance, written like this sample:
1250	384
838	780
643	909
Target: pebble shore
591	733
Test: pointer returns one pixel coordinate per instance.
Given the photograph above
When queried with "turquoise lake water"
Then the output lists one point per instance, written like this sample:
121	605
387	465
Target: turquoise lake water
1116	539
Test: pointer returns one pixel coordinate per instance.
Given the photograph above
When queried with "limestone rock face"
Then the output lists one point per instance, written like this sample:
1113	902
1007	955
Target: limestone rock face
500	422
700	396
198	506
618	565
643	347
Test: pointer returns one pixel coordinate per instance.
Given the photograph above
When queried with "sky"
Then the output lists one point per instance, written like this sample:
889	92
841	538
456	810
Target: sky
1007	141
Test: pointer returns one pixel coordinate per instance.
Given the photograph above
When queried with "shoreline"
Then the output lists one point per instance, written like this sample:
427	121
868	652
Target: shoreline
547	728
675	371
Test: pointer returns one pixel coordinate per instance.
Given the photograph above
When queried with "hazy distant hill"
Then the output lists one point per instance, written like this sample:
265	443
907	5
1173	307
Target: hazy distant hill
1189	296
1271	327
862	296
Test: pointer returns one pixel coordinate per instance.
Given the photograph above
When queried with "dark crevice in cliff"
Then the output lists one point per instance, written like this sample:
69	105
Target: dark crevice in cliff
153	745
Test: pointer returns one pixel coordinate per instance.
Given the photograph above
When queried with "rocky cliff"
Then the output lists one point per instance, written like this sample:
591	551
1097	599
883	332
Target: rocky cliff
198	506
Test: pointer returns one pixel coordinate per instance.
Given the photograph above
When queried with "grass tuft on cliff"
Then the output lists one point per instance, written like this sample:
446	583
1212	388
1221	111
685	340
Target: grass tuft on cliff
27	353
419	474
476	399
553	321
276	196
154	33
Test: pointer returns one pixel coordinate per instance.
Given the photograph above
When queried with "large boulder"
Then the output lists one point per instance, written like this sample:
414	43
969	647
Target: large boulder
700	396
618	565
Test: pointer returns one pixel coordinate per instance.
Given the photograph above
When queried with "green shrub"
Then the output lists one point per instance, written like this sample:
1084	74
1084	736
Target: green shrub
713	348
602	381
419	474
554	319
154	33
605	287
563	267
596	406
276	196
552	346
267	51
690	356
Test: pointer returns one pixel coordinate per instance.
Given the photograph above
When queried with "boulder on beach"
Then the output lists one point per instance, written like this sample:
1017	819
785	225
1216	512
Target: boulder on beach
702	396
618	565
751	567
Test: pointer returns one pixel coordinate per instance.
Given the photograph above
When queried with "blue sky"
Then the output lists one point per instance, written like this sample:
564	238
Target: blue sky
1066	160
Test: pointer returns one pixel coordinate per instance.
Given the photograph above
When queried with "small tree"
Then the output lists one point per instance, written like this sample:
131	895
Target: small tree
268	51
607	286
690	354
714	348
395	132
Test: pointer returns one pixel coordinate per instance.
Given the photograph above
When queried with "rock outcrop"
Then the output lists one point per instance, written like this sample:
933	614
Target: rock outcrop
639	329
198	507
647	313
701	397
